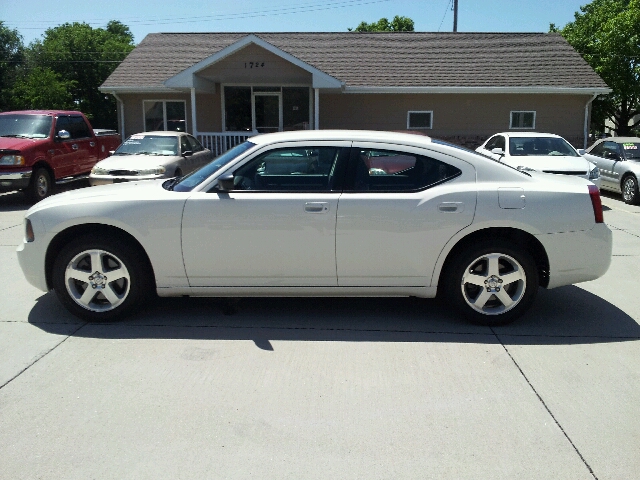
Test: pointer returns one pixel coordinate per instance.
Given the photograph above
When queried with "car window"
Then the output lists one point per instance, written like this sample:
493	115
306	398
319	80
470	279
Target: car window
631	150
490	145
597	150
611	147
184	144
392	171
290	169
194	144
540	146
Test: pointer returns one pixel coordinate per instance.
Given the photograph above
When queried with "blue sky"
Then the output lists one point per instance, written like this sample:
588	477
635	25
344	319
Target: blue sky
32	17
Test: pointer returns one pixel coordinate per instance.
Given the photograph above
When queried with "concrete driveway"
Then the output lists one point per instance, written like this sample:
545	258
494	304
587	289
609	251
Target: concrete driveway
323	388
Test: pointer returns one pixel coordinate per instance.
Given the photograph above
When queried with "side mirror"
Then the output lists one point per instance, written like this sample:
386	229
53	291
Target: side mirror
226	182
497	151
111	152
581	151
187	153
63	135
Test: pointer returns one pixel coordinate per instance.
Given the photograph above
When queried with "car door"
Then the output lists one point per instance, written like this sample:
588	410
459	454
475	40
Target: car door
84	145
276	228
607	155
399	208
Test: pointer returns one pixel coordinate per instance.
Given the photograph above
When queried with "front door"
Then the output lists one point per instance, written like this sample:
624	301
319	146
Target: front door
275	229
267	112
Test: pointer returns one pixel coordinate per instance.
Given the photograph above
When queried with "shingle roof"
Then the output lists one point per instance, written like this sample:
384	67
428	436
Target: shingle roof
413	59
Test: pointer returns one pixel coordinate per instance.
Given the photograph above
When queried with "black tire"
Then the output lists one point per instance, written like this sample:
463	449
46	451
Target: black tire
113	299
41	185
629	189
460	285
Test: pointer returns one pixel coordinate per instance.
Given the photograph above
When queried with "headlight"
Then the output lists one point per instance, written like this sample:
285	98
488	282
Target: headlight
12	160
99	171
28	231
594	174
152	171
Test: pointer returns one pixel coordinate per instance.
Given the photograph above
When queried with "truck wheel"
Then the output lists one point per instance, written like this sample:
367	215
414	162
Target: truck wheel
491	284
41	185
100	279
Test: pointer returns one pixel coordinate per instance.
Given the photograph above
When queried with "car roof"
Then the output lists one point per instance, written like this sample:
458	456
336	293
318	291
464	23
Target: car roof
42	112
620	139
346	135
528	134
162	133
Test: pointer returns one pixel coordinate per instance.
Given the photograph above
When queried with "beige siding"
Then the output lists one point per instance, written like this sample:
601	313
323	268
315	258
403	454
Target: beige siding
471	117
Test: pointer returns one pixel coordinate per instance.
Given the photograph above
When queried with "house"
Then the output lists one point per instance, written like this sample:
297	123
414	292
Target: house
460	87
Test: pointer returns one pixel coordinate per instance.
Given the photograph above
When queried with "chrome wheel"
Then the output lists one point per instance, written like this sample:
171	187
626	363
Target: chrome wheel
42	185
493	284
630	189
97	280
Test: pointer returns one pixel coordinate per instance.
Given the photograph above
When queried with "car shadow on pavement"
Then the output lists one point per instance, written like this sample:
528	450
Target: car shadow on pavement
566	315
14	201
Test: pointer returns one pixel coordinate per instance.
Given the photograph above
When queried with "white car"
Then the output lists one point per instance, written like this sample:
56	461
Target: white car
151	155
322	213
542	152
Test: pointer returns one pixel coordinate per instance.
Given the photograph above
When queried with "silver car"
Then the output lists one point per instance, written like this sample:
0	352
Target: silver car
151	155
618	159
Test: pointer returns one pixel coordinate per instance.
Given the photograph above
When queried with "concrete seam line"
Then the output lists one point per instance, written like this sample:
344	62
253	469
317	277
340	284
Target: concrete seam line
12	226
40	357
545	406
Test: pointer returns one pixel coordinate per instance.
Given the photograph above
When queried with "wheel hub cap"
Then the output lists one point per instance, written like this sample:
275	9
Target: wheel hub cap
493	283
97	280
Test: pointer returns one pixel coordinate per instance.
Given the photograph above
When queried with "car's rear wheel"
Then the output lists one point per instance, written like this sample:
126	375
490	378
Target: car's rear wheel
41	185
630	193
98	279
491	284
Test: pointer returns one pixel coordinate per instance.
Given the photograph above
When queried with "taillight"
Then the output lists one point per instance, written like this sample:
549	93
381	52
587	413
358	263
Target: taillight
594	193
29	236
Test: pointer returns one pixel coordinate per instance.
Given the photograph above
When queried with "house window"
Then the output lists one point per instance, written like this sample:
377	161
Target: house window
165	115
523	119
419	120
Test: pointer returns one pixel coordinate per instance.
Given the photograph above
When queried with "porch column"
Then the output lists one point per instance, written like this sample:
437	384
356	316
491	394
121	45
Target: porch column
316	104
194	127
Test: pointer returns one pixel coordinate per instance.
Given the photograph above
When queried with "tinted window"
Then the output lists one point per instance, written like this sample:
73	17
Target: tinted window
598	150
184	144
380	170
290	169
194	144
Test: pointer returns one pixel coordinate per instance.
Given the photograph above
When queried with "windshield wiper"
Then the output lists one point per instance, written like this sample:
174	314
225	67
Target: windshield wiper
172	183
16	135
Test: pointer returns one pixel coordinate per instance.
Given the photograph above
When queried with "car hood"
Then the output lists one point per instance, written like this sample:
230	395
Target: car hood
129	162
558	163
11	143
141	190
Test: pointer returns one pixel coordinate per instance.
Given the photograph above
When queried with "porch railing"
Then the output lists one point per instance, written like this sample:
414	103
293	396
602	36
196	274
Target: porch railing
220	142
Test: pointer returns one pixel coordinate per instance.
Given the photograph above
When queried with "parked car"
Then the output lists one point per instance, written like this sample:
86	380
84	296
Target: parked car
41	148
618	159
323	213
151	155
542	152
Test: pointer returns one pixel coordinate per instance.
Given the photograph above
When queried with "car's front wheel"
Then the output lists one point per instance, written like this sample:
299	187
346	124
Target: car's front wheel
630	193
98	279
491	284
41	185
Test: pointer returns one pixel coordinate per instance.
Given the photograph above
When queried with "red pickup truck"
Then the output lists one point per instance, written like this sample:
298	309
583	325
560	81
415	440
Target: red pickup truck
41	148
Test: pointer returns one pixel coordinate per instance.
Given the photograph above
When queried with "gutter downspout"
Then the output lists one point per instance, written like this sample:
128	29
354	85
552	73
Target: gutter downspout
316	117
119	100
586	119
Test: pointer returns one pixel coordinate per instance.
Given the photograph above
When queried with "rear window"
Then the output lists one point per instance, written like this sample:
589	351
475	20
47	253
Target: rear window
631	150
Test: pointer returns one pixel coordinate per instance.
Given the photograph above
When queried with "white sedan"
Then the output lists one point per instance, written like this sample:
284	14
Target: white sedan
322	213
541	152
151	155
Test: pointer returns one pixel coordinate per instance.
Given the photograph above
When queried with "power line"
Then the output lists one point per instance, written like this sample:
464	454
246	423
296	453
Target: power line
446	9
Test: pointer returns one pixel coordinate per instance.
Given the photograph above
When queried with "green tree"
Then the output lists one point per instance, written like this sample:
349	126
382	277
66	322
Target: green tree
42	88
11	60
398	24
607	35
82	58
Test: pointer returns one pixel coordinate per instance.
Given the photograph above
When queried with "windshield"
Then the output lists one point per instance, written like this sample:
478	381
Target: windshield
148	145
25	126
188	182
540	146
631	150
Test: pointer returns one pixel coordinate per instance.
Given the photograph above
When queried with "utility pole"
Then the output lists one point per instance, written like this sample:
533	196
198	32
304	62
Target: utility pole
455	15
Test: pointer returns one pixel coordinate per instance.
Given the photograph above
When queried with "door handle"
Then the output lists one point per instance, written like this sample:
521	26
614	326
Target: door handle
316	207
74	146
451	207
92	144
